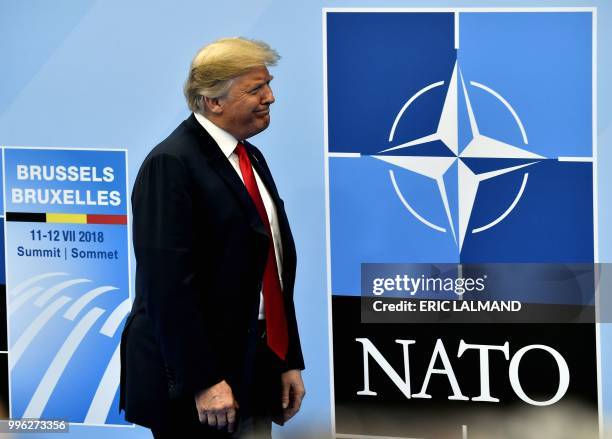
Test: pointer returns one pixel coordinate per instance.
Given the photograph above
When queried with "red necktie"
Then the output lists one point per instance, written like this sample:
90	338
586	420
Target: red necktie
276	322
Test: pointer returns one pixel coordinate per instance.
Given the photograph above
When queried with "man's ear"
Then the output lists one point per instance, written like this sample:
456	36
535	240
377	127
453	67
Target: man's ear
212	105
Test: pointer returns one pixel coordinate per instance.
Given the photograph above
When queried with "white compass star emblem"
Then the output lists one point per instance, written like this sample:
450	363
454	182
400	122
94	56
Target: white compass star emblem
480	146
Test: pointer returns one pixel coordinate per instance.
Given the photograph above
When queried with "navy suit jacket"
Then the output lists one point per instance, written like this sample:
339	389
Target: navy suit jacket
201	250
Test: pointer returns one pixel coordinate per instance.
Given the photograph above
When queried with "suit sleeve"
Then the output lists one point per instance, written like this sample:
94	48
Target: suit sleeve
166	263
295	359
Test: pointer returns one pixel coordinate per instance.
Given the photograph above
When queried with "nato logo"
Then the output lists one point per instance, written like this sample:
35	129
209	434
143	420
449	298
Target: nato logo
459	136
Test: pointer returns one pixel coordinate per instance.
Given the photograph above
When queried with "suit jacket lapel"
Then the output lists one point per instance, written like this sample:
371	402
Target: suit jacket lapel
268	181
224	169
264	174
289	258
221	165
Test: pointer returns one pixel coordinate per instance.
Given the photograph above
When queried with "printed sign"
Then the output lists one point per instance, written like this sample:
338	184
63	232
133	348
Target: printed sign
462	218
68	281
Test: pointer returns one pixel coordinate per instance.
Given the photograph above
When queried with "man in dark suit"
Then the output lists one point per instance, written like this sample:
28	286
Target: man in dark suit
211	346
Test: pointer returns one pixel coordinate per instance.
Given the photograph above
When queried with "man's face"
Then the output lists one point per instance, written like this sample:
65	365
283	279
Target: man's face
246	107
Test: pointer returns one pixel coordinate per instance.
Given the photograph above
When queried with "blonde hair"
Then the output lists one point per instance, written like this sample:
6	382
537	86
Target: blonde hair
217	64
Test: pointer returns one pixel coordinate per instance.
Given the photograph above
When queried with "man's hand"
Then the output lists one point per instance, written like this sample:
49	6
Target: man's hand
293	392
217	406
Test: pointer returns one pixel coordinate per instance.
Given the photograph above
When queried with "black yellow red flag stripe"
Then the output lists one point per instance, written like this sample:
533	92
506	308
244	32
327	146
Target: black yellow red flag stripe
65	218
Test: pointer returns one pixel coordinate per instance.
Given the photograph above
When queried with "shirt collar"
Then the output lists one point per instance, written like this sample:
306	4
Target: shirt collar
225	140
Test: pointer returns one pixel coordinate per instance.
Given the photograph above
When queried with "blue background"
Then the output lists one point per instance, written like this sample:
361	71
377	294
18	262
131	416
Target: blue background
492	52
87	73
375	62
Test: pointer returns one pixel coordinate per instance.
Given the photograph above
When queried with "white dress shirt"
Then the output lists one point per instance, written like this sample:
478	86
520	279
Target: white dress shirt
228	143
